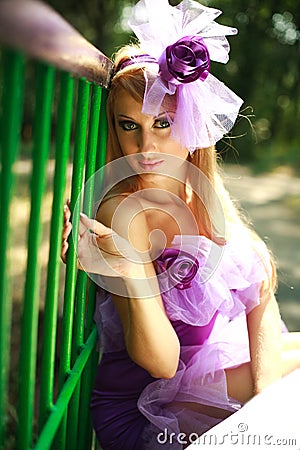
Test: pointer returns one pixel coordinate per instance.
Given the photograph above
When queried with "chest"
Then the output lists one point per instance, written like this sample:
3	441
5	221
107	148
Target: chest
167	220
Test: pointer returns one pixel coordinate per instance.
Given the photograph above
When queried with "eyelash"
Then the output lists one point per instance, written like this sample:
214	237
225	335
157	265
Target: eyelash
163	121
127	125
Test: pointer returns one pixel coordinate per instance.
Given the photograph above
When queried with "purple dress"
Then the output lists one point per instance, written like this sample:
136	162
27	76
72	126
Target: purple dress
207	292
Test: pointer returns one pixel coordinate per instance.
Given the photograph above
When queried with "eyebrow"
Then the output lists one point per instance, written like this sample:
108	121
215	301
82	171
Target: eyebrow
124	116
164	113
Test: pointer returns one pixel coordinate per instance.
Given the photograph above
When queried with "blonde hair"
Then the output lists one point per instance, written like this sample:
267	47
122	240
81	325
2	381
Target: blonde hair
132	80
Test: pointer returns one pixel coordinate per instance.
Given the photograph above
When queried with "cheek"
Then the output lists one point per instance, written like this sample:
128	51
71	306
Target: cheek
184	153
125	144
126	148
177	150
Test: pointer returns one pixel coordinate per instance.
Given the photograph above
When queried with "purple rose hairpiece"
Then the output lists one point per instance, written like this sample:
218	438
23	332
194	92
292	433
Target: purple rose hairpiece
185	61
183	40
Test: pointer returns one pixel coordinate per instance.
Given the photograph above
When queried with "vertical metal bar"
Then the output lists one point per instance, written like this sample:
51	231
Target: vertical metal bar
12	108
47	435
87	208
100	161
88	376
71	269
72	422
64	125
42	128
92	146
91	307
81	291
83	301
101	157
78	170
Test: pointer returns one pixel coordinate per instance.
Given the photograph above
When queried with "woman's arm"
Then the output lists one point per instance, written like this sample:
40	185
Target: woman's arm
264	327
150	338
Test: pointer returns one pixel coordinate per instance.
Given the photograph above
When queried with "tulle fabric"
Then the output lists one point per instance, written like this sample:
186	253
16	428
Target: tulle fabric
224	290
157	25
228	281
206	110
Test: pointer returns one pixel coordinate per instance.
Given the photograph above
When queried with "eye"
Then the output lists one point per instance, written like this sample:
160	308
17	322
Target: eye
162	123
127	125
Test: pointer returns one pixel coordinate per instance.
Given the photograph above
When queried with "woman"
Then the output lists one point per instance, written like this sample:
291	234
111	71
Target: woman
186	311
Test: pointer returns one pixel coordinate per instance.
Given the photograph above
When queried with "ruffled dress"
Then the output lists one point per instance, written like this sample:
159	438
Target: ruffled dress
207	291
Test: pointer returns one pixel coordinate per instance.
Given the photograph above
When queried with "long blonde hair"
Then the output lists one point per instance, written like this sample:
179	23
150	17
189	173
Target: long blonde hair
132	80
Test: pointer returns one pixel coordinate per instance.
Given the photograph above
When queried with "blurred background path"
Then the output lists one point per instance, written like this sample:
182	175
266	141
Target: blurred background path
272	203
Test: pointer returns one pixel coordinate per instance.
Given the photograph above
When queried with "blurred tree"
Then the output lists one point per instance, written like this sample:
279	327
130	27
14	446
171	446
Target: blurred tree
99	21
264	70
264	66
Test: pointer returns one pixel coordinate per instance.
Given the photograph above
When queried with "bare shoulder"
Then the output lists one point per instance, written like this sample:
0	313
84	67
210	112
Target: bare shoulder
107	209
124	213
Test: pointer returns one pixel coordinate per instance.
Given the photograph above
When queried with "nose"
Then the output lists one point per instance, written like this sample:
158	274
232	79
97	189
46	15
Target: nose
147	142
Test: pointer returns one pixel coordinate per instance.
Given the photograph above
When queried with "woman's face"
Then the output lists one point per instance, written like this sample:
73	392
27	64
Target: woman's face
147	137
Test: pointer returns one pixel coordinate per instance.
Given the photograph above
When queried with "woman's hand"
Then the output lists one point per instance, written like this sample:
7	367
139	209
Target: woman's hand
67	228
100	249
104	252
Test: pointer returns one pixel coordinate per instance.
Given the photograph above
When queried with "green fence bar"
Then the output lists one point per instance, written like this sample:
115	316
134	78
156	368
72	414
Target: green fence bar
100	162
42	127
87	208
99	140
90	371
71	269
82	279
64	126
63	397
84	438
48	433
53	405
92	150
102	132
77	184
10	124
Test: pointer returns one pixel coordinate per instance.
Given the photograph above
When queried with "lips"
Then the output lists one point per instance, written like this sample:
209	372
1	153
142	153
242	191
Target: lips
150	164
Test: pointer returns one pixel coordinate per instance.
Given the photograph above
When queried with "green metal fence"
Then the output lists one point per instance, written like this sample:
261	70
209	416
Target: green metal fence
48	357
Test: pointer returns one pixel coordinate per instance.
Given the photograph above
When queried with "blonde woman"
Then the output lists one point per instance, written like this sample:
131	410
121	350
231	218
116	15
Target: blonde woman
189	325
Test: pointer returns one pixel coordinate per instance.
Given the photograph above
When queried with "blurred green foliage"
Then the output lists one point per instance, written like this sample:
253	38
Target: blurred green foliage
264	69
100	21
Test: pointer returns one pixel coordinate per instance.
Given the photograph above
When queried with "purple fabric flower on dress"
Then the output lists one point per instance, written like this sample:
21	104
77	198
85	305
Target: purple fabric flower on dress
185	61
179	266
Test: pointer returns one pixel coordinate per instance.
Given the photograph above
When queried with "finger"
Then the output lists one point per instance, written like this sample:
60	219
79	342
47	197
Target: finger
95	226
66	230
82	228
67	212
64	249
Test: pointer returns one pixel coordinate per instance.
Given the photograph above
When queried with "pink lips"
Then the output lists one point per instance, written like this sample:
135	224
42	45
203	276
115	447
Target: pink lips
150	164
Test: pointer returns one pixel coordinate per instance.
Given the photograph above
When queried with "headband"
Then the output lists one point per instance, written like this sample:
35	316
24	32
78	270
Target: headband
136	59
183	40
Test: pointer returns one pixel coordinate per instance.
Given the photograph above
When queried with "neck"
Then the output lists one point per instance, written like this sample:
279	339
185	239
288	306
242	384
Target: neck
163	184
